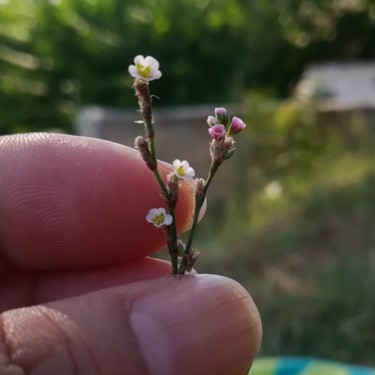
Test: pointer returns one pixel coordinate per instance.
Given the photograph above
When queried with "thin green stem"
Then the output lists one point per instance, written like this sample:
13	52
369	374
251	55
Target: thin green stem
174	261
144	97
152	146
161	183
172	231
198	205
172	241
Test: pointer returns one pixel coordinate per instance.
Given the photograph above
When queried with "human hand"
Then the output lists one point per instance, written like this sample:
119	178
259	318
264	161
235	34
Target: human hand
77	292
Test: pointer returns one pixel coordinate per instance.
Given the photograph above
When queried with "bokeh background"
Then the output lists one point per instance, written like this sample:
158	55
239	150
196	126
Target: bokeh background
294	218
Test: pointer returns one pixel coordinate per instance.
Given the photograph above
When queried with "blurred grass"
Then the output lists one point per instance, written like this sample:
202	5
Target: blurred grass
299	231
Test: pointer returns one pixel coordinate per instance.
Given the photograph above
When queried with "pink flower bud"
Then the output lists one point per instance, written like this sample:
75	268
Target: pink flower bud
211	121
222	116
236	126
217	131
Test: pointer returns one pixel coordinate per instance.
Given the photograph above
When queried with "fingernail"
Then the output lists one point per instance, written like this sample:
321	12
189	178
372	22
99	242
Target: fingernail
192	188
197	324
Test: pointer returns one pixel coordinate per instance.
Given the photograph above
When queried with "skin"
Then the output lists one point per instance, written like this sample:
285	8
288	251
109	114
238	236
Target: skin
79	295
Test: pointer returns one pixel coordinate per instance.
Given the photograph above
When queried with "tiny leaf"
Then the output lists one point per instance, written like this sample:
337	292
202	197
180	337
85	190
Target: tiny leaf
230	153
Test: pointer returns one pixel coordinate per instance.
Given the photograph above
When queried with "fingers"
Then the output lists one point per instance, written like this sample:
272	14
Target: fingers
19	288
197	324
69	201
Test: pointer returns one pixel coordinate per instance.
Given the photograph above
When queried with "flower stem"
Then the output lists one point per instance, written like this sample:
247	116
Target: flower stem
198	205
142	91
172	230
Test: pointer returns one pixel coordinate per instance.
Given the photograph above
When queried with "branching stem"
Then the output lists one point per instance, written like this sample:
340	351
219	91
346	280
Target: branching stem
198	205
144	99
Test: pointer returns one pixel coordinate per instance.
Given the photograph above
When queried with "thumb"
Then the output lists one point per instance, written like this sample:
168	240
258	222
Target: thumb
198	324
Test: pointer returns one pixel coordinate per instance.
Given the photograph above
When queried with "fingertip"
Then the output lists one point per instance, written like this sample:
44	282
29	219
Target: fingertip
199	324
196	316
71	201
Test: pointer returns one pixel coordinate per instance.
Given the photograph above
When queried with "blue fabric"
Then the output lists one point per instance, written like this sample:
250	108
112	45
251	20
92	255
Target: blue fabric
305	366
291	366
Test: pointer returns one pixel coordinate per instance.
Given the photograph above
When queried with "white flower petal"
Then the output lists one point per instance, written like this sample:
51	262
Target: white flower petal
185	164
176	163
133	71
155	215
188	177
190	172
146	69
151	62
168	219
151	214
155	75
139	59
182	170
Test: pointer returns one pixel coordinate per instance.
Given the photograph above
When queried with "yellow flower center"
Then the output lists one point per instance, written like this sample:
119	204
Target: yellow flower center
144	71
158	219
180	171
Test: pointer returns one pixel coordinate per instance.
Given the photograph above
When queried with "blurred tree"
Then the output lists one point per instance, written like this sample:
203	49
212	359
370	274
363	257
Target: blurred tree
58	54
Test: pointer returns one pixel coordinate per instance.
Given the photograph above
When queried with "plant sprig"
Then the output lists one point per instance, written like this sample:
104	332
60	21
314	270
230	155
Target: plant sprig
221	129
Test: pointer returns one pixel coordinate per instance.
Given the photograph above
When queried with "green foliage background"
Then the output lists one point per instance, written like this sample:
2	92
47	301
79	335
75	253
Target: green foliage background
58	54
305	251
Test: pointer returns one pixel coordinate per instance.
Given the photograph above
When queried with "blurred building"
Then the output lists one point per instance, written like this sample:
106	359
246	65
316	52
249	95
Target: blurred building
181	133
340	90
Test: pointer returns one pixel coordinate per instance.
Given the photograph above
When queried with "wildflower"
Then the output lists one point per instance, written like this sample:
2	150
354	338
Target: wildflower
217	131
146	69
159	217
222	116
236	126
211	121
182	170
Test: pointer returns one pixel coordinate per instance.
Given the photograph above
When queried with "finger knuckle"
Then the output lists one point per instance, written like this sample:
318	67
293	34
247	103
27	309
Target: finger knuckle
40	340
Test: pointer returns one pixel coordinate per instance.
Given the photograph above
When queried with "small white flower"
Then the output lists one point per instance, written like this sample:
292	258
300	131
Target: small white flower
182	170
159	217
145	68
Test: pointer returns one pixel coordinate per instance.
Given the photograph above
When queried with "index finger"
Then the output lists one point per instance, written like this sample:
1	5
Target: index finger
72	202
